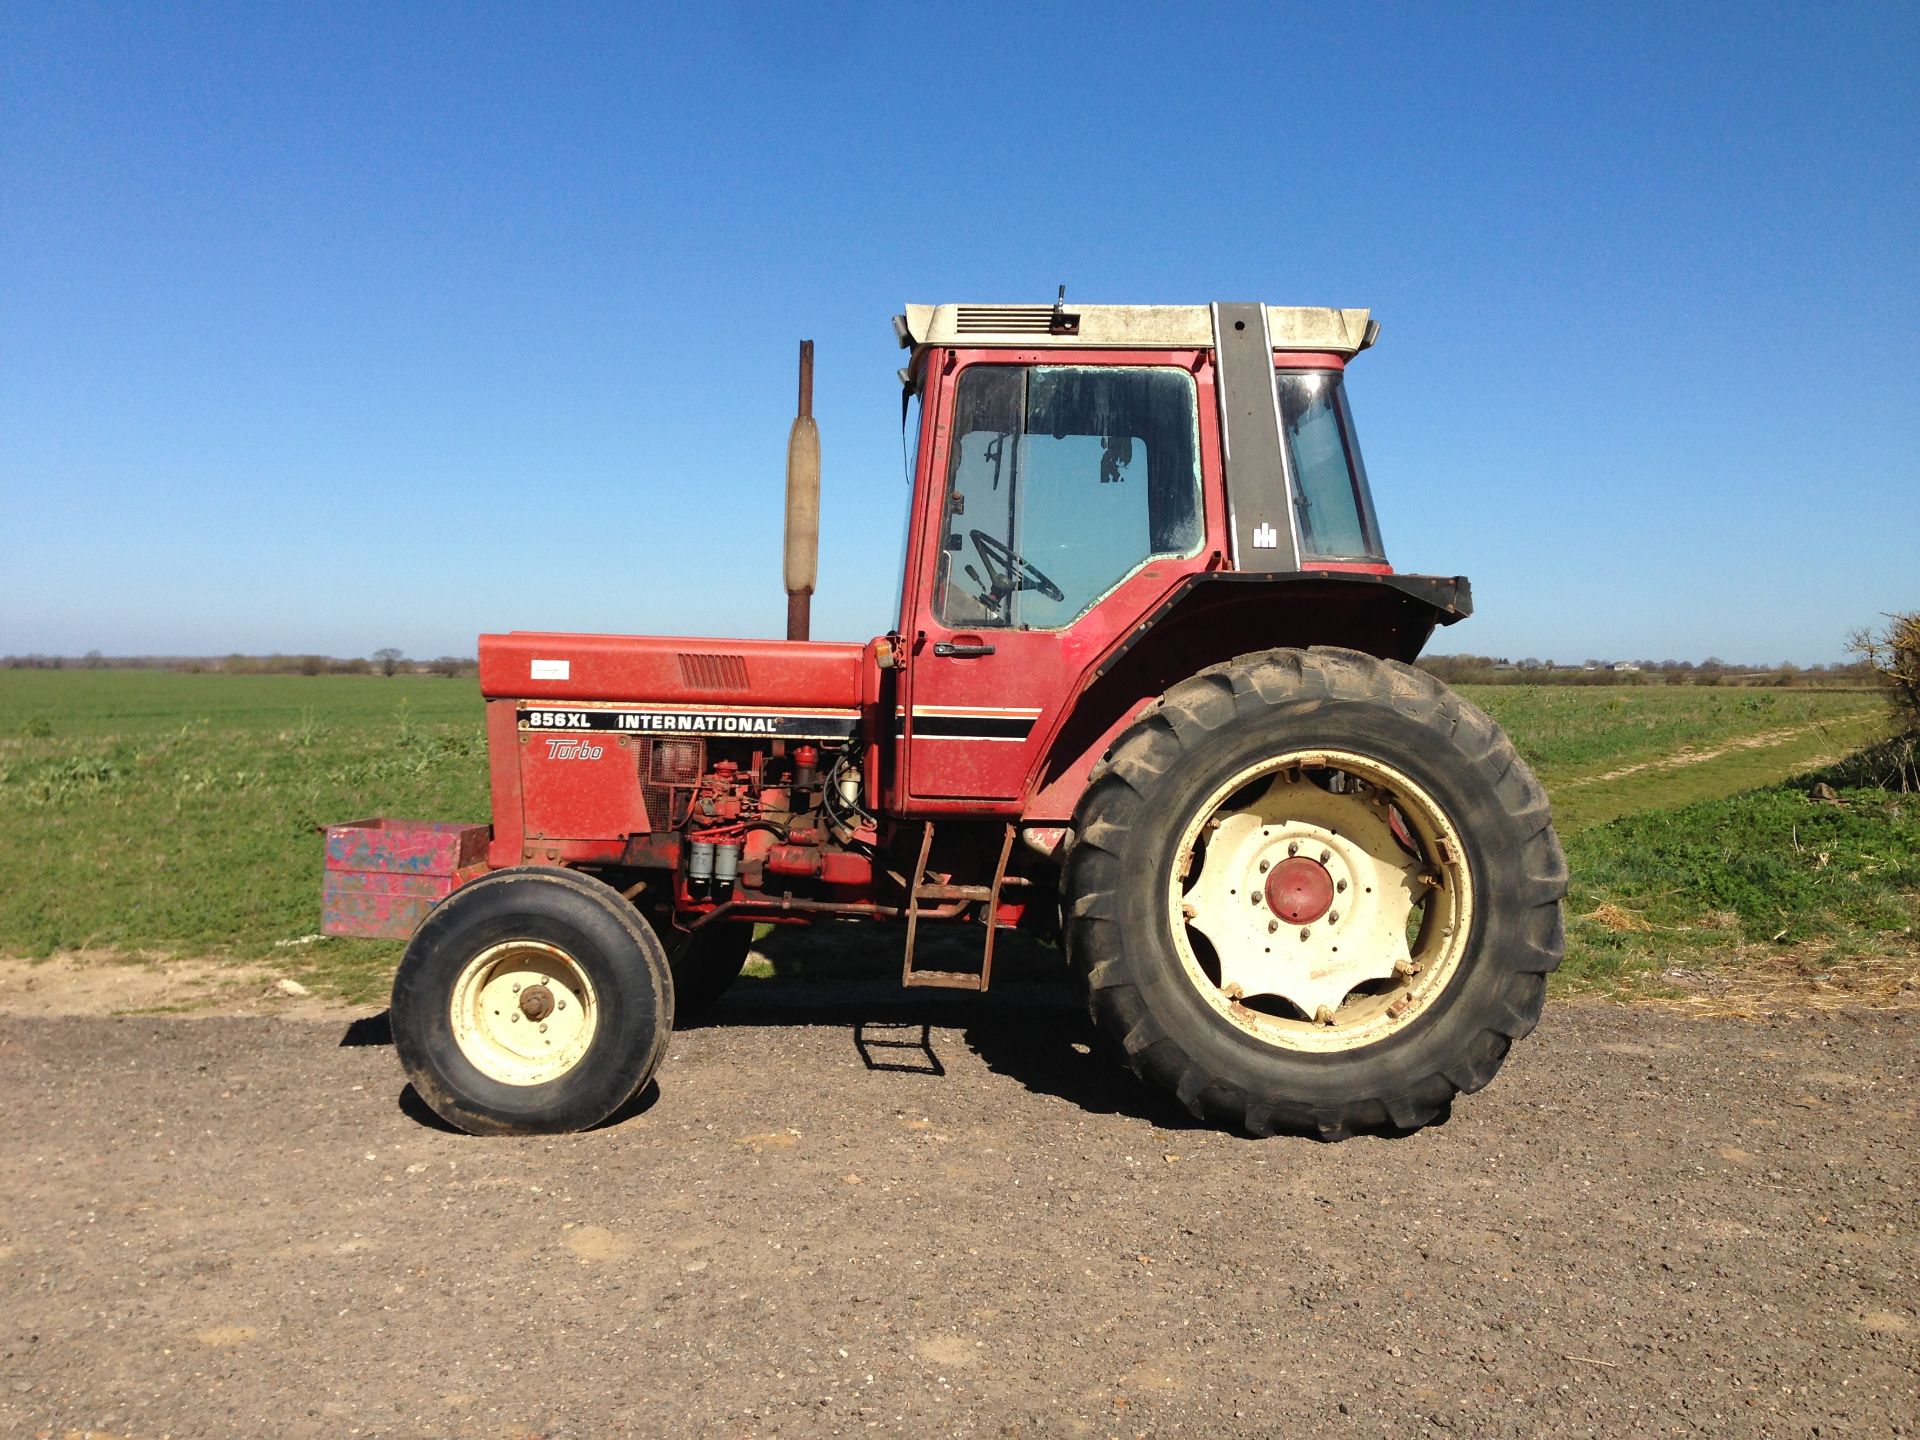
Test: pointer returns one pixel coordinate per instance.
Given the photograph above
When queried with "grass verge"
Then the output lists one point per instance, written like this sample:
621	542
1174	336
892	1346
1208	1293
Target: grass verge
1776	885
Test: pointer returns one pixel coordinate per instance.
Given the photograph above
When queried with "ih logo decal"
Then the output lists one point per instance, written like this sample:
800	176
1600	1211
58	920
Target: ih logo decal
559	749
1265	537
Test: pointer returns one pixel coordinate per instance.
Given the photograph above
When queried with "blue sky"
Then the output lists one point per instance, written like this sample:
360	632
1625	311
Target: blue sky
341	327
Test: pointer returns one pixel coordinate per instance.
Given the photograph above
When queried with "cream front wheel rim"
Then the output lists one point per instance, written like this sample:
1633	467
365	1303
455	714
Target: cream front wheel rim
1320	900
524	1012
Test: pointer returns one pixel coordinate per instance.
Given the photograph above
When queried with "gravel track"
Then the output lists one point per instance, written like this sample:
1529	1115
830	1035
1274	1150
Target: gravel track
1648	1225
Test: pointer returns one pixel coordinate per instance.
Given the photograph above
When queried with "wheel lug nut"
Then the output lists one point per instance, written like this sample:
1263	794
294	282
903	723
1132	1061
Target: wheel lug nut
1333	917
1339	885
516	987
1272	925
1306	932
1293	847
516	1017
1265	865
1325	855
543	1027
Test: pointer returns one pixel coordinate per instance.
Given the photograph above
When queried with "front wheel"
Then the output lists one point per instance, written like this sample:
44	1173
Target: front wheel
1314	891
531	1001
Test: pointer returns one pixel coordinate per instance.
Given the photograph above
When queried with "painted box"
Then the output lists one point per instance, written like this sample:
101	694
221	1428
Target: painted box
383	875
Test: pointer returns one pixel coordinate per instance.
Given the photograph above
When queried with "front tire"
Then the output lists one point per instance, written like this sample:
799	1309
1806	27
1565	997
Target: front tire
1314	891
531	1001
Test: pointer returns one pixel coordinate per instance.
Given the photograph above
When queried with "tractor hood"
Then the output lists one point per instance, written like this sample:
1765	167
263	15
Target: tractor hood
671	670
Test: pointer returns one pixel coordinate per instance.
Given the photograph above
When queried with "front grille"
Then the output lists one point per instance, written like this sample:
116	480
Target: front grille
678	762
668	767
660	814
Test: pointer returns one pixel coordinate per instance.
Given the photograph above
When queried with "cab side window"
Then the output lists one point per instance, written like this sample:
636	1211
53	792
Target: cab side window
1331	503
1061	482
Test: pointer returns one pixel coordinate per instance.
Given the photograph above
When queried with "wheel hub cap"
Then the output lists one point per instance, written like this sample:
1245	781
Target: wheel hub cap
1299	890
524	1012
1304	895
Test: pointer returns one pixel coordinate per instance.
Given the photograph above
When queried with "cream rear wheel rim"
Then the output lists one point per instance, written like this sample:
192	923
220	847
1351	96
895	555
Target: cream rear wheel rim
1330	897
524	1012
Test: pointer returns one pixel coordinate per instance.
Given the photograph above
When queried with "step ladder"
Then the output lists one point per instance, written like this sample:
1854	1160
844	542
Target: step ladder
921	889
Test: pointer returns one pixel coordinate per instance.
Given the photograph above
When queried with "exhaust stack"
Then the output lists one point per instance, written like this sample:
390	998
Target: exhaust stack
803	505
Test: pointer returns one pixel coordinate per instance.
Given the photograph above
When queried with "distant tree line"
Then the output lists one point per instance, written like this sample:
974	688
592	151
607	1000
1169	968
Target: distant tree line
386	661
1498	670
1454	669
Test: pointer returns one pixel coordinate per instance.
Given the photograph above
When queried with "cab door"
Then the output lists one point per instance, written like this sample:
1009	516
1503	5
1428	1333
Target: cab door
1060	500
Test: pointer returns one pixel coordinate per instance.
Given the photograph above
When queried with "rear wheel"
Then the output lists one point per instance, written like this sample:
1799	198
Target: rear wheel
531	1001
1314	891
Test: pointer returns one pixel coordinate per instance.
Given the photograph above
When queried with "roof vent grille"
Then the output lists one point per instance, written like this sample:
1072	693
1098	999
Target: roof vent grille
1003	319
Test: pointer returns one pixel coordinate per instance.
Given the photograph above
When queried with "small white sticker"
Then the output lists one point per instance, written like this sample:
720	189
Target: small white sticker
1265	537
553	670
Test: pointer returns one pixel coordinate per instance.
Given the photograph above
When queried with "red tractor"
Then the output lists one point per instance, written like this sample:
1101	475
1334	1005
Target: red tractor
1147	691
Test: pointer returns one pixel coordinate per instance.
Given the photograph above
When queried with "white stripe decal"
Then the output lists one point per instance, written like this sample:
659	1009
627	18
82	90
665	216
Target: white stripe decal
974	739
986	710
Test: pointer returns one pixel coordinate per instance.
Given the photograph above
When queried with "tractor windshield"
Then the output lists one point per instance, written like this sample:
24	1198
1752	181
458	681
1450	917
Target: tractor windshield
1331	504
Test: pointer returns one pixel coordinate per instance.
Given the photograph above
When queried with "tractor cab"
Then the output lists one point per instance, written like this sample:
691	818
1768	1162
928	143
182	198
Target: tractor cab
1079	476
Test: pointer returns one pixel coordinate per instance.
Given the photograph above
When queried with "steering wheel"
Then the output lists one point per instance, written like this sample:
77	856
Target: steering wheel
1008	573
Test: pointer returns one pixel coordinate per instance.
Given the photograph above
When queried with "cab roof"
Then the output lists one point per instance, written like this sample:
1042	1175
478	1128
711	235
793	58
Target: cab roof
1290	327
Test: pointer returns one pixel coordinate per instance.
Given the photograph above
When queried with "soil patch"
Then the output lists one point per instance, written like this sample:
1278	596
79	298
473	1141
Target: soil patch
1649	1224
87	984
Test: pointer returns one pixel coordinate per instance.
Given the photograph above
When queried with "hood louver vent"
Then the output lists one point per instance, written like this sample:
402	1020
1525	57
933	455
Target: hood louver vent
713	672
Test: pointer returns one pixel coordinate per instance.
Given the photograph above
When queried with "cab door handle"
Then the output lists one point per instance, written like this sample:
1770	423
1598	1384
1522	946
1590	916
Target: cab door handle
952	650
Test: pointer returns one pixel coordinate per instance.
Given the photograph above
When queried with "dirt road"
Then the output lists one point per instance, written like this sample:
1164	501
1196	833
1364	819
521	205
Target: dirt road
1649	1225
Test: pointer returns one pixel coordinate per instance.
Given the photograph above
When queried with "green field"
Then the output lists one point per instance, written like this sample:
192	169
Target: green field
178	814
150	814
1674	745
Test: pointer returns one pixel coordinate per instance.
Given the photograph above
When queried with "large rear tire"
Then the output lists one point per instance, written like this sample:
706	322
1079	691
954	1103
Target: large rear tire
1314	891
531	1001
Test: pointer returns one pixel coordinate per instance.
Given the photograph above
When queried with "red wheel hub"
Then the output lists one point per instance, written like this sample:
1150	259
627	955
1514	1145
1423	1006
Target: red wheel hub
1299	890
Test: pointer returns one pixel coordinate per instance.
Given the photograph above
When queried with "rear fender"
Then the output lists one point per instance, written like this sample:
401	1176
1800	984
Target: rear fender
1214	616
